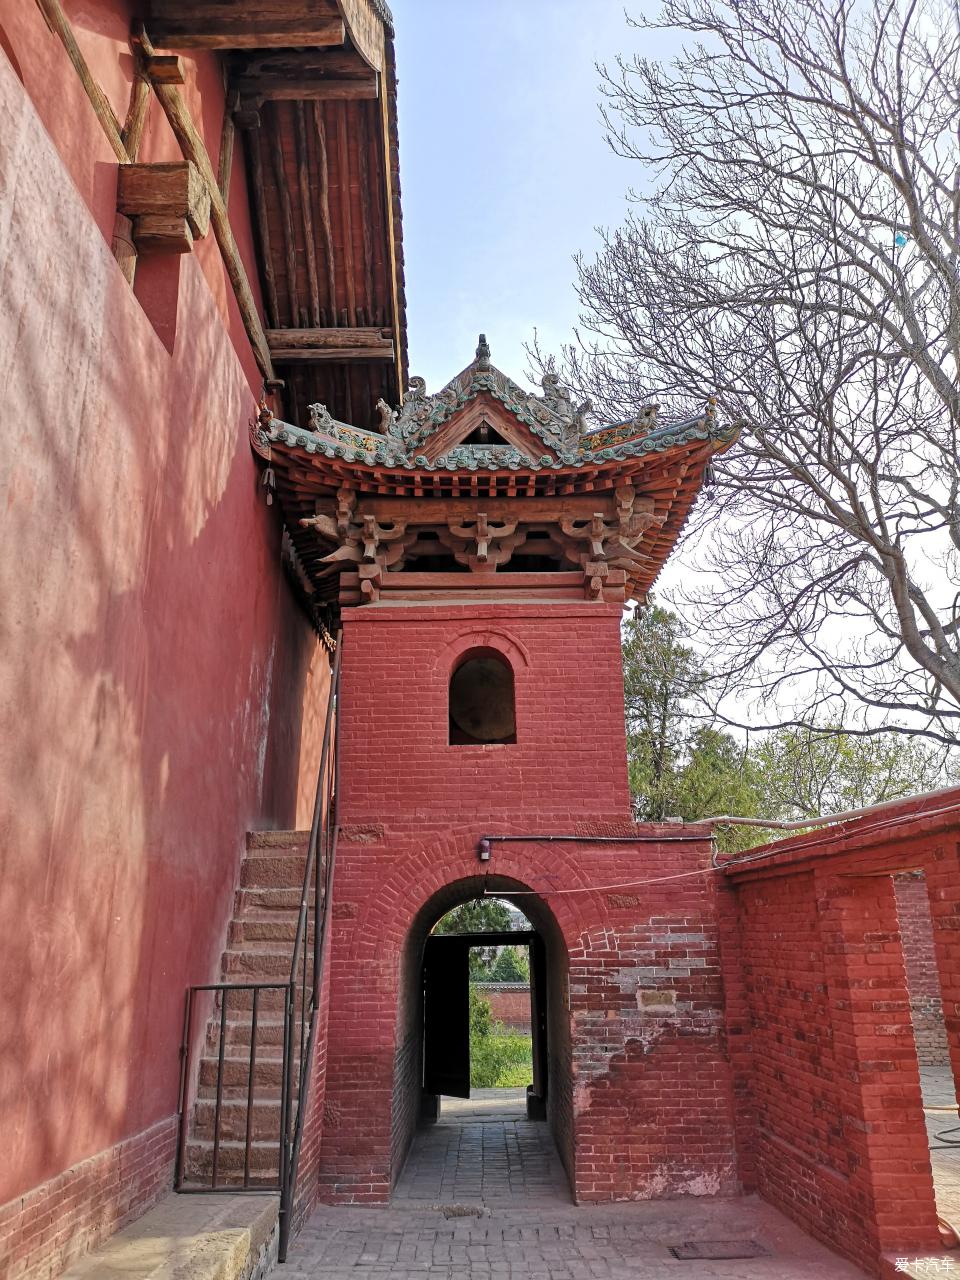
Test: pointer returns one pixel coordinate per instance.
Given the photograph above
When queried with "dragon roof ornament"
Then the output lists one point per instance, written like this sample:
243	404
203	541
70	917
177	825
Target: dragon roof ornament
563	437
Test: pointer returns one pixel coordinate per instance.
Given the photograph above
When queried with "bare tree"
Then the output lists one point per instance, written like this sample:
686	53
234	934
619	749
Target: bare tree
800	260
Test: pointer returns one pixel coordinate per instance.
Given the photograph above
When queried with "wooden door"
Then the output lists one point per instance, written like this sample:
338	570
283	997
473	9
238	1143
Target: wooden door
446	1017
538	1015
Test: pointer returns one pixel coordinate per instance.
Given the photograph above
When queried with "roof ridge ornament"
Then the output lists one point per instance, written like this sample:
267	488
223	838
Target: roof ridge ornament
482	360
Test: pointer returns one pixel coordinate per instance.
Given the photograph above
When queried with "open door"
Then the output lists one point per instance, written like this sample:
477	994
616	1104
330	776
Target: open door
537	1093
446	1017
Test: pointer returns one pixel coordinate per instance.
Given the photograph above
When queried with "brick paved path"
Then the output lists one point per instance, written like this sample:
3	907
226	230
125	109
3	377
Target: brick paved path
940	1104
483	1197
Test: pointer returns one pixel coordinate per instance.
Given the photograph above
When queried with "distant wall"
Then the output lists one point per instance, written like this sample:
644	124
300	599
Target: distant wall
920	959
154	662
509	1003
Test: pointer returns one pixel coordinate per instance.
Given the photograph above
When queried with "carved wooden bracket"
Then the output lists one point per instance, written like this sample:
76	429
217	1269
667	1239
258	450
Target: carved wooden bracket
482	532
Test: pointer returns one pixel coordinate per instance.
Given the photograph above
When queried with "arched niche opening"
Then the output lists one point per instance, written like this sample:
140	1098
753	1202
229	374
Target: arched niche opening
482	700
551	1096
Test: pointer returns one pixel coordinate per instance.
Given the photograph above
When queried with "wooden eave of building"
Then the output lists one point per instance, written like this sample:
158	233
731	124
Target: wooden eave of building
308	484
484	490
311	88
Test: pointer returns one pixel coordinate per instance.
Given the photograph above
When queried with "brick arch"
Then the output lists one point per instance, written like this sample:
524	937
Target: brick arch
392	908
449	873
502	642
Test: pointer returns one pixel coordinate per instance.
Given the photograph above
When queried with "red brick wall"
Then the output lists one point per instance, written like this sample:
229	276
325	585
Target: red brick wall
44	1231
923	981
511	1007
640	1096
825	1061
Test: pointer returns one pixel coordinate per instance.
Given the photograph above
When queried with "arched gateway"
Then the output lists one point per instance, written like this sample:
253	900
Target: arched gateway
480	550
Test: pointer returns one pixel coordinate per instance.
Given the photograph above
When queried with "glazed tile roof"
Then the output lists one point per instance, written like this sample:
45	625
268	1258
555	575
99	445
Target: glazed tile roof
555	427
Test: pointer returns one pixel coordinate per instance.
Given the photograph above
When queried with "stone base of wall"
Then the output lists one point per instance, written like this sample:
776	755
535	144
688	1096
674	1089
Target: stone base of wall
51	1226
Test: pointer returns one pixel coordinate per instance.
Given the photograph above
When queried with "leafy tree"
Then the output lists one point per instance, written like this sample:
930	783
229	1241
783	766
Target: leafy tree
479	915
803	773
511	965
660	674
797	260
680	766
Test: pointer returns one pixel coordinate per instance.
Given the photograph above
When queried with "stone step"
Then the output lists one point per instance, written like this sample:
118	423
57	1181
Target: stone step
264	1161
257	840
228	1237
264	1119
237	1039
267	1073
269	1004
280	901
256	961
269	1031
273	869
266	927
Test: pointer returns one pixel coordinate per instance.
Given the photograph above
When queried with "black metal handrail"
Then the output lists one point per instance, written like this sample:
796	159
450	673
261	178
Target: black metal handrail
222	990
301	1003
319	869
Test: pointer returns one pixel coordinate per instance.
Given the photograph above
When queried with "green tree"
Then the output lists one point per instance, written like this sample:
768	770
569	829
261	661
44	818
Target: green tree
680	766
660	674
806	772
511	965
479	915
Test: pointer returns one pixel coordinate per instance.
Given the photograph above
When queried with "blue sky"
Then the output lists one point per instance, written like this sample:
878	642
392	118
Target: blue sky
504	169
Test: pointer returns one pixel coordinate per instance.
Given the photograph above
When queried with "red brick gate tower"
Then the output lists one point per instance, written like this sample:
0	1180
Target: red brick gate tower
480	550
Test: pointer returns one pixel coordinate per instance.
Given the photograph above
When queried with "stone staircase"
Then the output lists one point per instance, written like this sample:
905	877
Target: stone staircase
259	949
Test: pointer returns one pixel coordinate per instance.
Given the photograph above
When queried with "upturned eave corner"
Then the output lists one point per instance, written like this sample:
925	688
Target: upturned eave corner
484	491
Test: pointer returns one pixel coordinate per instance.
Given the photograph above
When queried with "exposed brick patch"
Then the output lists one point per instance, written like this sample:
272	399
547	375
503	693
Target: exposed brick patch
51	1226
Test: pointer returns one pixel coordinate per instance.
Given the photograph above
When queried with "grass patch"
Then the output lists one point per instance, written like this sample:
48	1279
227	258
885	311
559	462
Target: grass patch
499	1059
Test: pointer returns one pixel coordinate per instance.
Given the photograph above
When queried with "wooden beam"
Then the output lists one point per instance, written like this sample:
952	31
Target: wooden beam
388	107
170	191
255	158
325	224
306	210
286	217
365	23
162	233
58	23
247	68
193	148
165	68
270	24
137	112
323	339
228	133
123	246
340	355
346	212
319	90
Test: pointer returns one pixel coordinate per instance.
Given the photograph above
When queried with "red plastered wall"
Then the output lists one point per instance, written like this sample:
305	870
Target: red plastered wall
154	662
640	1097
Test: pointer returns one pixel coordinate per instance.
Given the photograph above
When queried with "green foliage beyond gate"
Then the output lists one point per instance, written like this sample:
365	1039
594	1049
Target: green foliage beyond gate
499	1059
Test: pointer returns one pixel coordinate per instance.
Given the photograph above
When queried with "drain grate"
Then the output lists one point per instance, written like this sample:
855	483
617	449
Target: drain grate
708	1250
